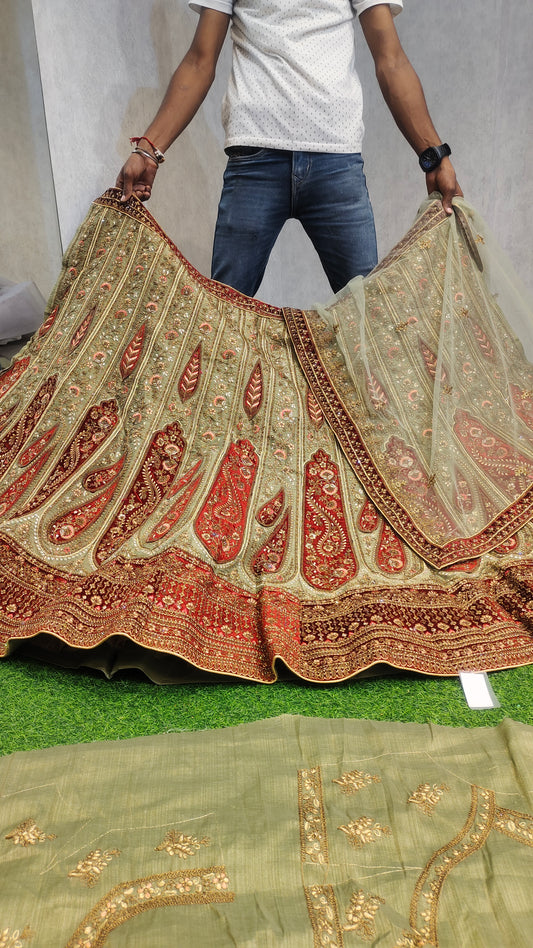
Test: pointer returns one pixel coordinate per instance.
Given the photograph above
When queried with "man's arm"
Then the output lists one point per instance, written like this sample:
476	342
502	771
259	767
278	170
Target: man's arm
186	91
404	96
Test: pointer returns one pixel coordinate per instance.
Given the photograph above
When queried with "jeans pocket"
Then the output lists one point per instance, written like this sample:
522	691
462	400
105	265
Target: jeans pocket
240	152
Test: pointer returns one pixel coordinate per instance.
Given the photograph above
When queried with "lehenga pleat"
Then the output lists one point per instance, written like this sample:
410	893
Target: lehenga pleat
173	485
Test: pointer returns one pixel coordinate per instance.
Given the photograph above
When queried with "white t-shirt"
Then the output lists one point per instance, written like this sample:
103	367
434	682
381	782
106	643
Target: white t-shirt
293	83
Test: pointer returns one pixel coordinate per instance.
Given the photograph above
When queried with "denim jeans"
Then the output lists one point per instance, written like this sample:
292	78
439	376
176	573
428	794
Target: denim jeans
264	187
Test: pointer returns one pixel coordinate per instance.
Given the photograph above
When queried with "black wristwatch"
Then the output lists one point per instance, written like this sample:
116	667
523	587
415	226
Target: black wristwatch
432	157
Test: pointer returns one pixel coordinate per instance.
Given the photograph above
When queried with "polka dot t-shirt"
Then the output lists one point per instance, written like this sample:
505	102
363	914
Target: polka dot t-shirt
293	83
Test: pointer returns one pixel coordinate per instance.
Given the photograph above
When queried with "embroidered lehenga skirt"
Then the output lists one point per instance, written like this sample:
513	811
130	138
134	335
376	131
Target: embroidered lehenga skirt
192	480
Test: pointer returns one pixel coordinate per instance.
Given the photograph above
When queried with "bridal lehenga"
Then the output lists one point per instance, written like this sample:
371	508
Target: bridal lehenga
194	482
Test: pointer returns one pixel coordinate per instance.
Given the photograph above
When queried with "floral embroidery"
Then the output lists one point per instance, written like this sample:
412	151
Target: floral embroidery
222	519
9	939
518	826
182	887
328	560
410	940
28	833
91	868
363	831
426	796
177	844
324	916
313	832
253	393
355	780
361	914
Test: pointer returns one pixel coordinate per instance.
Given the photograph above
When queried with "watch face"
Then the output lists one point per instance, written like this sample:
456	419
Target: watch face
429	159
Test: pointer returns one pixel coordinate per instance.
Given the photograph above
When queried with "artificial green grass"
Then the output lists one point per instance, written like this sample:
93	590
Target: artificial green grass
42	706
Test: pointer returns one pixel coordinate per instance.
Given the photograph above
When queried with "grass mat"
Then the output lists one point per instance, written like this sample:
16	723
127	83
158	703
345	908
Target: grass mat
42	706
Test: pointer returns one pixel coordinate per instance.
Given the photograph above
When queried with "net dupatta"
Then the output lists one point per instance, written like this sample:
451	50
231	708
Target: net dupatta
421	371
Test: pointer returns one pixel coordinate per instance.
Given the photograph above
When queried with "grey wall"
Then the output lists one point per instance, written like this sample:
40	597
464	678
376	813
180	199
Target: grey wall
105	66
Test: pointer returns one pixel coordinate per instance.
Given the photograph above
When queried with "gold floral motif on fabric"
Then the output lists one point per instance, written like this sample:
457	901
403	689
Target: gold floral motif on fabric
355	780
517	826
313	831
90	869
361	914
28	833
427	796
363	831
178	844
324	916
14	939
124	901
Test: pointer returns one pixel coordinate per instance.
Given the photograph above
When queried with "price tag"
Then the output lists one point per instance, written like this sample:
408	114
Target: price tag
478	691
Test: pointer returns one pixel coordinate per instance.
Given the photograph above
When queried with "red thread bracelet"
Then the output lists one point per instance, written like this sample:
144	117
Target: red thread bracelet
159	157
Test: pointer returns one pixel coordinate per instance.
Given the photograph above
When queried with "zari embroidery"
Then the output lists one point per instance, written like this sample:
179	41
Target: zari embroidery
253	393
28	833
427	796
124	901
221	522
361	914
324	916
328	560
12	375
14	939
355	780
178	844
363	831
90	869
518	826
15	437
313	831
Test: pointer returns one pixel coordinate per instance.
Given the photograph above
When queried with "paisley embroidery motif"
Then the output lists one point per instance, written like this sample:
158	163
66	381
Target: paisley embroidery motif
15	491
12	375
507	546
184	480
523	404
410	473
49	322
190	376
222	519
35	449
71	524
175	513
328	560
13	440
95	427
270	557
269	513
6	415
154	477
132	353
509	469
390	553
253	393
368	518
95	480
316	415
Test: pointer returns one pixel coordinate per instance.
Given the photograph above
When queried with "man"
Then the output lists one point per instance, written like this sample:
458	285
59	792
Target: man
293	122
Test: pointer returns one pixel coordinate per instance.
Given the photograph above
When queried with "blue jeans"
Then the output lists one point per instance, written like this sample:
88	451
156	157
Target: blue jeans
264	187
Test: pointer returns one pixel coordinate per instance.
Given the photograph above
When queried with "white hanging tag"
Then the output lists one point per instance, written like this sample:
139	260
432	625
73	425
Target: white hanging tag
478	691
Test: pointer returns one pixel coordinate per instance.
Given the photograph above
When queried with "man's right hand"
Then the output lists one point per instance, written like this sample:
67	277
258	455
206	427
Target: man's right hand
137	177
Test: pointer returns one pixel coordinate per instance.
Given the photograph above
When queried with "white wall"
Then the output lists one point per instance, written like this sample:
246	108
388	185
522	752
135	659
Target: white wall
105	66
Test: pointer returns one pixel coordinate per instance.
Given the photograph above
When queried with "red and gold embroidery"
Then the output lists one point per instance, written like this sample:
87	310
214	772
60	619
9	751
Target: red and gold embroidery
14	439
49	322
71	524
510	470
12	375
253	393
430	361
35	449
269	557
95	480
328	560
222	519
378	396
390	553
175	513
269	513
82	330
190	376
153	479
132	353
413	478
96	426
6	415
369	518
316	415
14	492
483	341
523	404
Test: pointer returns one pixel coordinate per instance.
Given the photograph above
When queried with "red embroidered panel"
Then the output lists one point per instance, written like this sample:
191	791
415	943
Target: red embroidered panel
48	323
151	483
96	426
510	470
69	526
95	480
183	481
368	518
6	415
222	519
270	557
15	491
253	393
14	439
176	511
82	330
314	410
269	513
12	375
523	403
328	560
390	553
410	470
190	376
132	353
35	449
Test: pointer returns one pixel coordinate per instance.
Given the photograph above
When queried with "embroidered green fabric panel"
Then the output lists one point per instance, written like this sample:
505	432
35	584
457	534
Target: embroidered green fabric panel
295	832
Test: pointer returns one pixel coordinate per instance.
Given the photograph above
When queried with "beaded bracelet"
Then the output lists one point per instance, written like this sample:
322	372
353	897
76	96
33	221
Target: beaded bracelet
158	155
